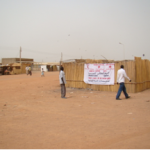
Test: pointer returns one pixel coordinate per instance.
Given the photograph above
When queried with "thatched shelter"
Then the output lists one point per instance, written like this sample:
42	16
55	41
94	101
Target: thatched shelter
14	68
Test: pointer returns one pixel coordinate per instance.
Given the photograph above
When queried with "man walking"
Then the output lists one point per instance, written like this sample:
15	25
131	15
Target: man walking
42	73
30	72
27	68
121	75
62	80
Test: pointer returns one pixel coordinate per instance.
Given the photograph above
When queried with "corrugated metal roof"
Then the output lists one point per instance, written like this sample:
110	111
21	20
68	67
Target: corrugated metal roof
46	63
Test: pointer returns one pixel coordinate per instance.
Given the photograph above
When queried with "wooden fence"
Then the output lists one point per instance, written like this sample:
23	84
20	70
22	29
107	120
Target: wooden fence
142	74
138	71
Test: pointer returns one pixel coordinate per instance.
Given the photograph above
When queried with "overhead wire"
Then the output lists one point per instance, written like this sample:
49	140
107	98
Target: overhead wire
33	51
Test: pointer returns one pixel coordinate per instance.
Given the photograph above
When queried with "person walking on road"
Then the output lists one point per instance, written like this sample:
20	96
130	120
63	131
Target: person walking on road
62	80
27	68
30	72
42	73
121	75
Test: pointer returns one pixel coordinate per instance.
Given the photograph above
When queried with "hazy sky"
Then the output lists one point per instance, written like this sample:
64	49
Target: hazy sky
77	28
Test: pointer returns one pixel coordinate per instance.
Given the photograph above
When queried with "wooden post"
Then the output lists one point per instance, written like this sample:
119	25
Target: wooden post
20	60
20	54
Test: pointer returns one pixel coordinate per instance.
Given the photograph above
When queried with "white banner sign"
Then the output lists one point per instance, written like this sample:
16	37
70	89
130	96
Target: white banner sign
100	74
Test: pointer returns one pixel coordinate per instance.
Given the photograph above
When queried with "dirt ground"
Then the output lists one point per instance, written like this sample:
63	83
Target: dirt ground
33	116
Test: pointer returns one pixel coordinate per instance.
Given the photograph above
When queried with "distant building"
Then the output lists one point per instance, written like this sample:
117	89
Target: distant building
47	66
13	65
6	61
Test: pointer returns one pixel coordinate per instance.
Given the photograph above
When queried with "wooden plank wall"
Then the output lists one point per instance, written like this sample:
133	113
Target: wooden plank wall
55	68
75	73
23	67
142	77
22	70
36	67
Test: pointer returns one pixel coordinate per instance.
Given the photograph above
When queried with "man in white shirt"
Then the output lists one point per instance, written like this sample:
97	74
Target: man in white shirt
62	80
27	68
121	75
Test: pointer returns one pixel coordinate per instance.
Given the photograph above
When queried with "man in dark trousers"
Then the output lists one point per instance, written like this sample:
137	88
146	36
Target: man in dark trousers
62	80
30	72
121	75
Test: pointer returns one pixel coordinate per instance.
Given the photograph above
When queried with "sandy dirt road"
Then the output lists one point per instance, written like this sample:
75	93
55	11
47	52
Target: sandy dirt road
32	115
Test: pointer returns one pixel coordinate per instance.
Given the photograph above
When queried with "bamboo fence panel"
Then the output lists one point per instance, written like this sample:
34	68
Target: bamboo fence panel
147	66
73	71
148	72
137	68
55	68
142	74
82	75
138	71
132	76
77	77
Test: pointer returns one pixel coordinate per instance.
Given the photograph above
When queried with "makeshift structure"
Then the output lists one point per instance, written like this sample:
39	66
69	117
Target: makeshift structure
138	71
44	67
15	65
14	68
50	66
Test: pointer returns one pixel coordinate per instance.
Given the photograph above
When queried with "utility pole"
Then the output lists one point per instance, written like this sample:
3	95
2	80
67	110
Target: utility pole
20	54
20	59
61	58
